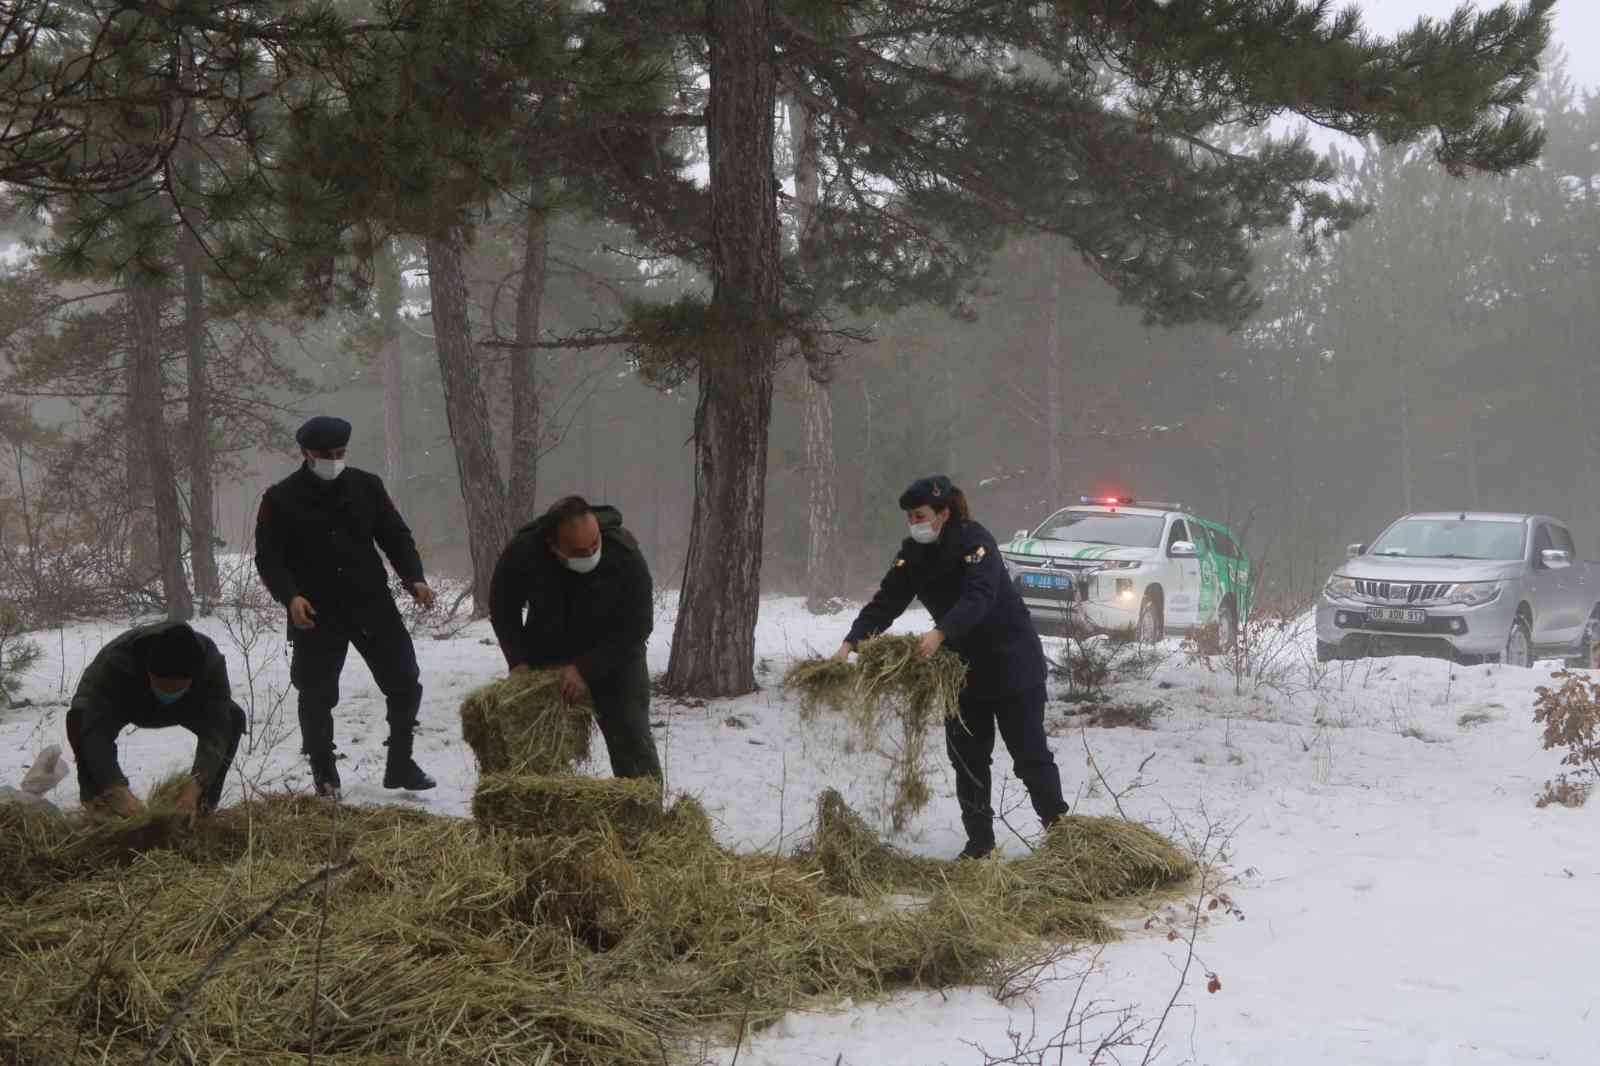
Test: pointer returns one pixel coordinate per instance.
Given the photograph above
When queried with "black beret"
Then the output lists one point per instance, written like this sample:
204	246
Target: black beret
323	433
932	491
176	653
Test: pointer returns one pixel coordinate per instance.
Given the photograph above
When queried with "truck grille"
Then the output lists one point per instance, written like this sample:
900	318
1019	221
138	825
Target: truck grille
1401	591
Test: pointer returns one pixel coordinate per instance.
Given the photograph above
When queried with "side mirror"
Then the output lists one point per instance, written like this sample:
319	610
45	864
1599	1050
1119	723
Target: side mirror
1555	558
1022	534
1354	550
1183	549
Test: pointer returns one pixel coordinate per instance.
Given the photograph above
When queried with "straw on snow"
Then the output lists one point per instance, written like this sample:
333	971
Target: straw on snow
587	923
887	684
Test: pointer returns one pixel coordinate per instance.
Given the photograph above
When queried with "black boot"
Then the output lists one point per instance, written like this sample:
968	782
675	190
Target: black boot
977	849
401	770
325	775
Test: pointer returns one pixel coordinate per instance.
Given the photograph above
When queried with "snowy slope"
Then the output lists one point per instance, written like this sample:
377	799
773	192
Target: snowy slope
1404	901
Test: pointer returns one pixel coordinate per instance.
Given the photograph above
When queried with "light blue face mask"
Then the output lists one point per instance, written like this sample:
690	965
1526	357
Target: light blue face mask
167	699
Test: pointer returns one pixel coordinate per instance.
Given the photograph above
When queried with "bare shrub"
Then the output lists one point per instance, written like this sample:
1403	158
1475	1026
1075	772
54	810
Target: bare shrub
1090	660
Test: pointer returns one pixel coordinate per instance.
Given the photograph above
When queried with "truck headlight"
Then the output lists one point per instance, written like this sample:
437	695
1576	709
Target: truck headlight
1121	564
1341	588
1474	593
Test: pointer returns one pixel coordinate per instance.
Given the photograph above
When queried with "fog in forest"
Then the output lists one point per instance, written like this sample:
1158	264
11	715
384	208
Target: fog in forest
1440	354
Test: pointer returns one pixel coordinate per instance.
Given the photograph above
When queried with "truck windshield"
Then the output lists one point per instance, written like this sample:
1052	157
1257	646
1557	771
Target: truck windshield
1101	527
1447	538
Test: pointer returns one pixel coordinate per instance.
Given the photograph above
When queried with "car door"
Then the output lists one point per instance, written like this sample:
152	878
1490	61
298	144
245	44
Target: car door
1571	610
1544	588
1183	595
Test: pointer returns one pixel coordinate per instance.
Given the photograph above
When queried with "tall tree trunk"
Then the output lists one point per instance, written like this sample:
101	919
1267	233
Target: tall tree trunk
145	297
1405	447
823	579
824	583
713	646
202	457
390	295
467	410
525	430
1053	414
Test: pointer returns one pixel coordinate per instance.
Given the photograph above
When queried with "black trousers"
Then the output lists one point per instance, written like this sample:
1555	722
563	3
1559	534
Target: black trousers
622	710
1019	717
380	637
89	789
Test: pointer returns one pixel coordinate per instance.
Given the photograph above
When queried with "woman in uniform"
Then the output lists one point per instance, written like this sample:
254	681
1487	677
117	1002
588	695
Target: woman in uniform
953	566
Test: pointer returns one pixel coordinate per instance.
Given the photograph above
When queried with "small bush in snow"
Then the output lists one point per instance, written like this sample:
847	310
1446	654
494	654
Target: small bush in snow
18	654
1570	715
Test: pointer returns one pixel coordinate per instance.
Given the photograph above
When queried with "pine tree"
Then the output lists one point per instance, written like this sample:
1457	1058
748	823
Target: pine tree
938	140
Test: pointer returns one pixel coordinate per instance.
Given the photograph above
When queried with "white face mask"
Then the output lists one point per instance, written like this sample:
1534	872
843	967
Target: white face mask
327	469
924	533
582	564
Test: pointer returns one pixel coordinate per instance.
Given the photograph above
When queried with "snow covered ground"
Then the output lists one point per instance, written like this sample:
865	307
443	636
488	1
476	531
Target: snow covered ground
1403	900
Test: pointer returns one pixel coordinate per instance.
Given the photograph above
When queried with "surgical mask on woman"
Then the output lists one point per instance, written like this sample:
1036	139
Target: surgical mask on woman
923	532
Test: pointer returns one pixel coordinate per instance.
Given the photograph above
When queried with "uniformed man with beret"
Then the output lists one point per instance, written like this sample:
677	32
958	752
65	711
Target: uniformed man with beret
317	535
572	590
952	564
154	677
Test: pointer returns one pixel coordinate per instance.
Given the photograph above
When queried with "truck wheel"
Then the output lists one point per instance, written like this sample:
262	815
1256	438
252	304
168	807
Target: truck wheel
1586	659
1519	645
1227	628
1152	619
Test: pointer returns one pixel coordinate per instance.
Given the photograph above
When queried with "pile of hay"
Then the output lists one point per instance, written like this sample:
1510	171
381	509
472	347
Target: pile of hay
588	922
887	685
522	725
576	922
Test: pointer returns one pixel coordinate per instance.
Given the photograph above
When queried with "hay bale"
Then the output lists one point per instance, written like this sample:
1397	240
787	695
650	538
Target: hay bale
1093	860
522	724
538	805
887	685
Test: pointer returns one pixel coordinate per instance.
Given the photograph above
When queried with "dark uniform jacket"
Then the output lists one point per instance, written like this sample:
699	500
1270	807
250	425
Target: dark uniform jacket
962	582
114	693
598	621
315	538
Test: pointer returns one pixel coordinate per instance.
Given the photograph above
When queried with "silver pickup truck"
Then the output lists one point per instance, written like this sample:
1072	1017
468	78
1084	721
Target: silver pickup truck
1469	586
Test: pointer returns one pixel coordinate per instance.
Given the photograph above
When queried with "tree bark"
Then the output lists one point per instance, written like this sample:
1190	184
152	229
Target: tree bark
145	297
467	410
713	646
824	584
390	295
202	456
1053	415
525	429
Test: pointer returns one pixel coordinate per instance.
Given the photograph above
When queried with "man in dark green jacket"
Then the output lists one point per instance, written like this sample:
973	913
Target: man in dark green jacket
586	589
154	677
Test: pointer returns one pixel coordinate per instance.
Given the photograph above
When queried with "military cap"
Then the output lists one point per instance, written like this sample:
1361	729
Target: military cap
932	491
323	433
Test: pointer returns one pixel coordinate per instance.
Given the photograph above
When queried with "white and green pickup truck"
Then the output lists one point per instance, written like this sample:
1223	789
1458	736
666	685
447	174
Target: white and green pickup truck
1115	563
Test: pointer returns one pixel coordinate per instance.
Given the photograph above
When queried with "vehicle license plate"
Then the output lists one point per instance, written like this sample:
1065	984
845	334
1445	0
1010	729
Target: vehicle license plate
1397	614
1047	581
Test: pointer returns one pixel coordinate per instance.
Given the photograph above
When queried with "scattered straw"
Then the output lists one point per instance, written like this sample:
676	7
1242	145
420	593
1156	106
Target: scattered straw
589	924
887	684
522	725
577	922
